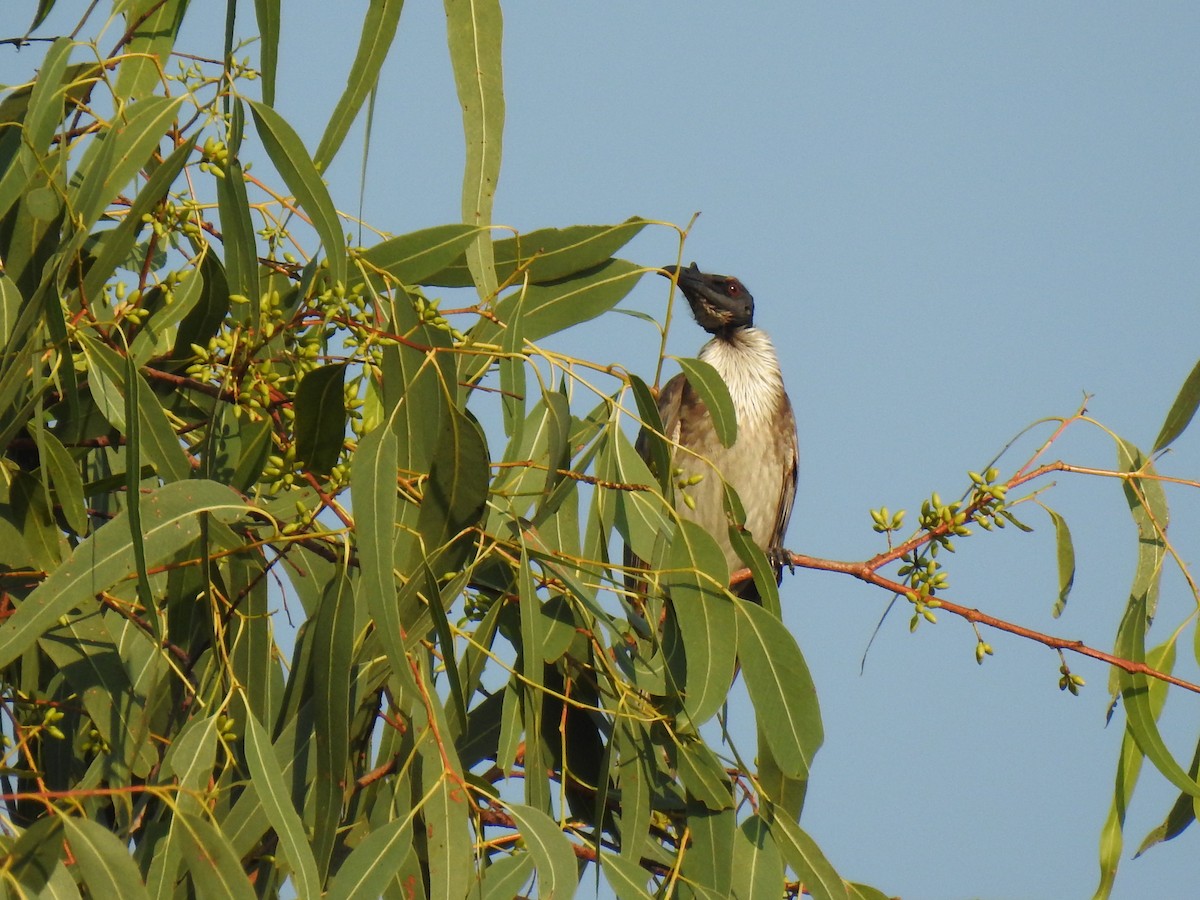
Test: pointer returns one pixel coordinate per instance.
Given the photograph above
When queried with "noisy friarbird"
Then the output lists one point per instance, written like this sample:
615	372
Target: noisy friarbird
761	464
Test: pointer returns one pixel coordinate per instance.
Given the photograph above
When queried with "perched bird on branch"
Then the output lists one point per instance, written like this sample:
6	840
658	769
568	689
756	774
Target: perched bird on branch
761	464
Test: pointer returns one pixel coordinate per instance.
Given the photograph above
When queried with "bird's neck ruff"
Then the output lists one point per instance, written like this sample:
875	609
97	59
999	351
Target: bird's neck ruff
746	361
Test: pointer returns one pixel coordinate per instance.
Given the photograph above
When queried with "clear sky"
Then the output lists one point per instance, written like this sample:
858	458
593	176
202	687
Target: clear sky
956	218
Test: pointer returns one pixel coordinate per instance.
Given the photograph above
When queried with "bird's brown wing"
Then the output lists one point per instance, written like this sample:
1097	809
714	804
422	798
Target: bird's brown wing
790	450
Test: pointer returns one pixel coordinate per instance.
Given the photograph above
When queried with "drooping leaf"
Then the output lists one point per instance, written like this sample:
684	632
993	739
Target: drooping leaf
1181	412
801	852
474	31
757	862
715	393
104	862
1066	561
267	15
169	522
411	258
447	831
110	163
626	878
237	234
296	167
333	646
265	769
702	774
781	688
695	579
504	878
628	497
373	863
708	864
107	379
1180	817
321	417
68	484
551	254
216	872
550	851
155	26
555	306
457	488
152	339
378	32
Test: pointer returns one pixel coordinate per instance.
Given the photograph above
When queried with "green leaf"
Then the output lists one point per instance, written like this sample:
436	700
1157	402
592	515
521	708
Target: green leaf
695	579
1066	560
107	380
85	652
273	790
237	236
321	418
751	555
784	793
781	688
635	754
371	866
864	892
1181	412
152	339
651	445
708	863
512	372
473	31
111	162
628	498
104	862
216	872
446	827
813	870
1129	765
715	393
556	306
36	854
333	651
68	484
1181	815
378	32
411	258
169	522
296	167
504	878
457	488
757	862
551	254
267	15
626	877
1136	694
44	112
533	695
702	774
10	308
155	27
550	850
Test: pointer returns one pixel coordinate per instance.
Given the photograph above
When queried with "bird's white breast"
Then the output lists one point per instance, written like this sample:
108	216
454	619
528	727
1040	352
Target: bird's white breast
747	363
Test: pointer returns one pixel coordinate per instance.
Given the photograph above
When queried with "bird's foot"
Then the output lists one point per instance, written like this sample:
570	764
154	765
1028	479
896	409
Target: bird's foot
780	557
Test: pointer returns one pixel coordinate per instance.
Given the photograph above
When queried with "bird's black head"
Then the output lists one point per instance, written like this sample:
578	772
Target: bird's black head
720	303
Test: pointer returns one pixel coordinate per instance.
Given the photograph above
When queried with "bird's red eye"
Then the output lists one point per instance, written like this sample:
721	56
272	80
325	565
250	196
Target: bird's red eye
732	288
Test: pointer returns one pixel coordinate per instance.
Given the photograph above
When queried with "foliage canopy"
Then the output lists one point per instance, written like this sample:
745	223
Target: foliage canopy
203	416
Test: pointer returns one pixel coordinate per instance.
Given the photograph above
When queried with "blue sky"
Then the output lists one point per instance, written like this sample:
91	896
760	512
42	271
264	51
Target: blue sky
955	220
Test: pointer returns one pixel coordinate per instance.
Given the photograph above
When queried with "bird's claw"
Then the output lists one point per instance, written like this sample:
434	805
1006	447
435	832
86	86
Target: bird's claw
780	557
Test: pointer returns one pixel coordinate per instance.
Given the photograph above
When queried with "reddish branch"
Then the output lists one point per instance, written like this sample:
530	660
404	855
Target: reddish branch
866	571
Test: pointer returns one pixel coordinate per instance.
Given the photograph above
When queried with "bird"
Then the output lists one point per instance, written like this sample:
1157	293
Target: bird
762	463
